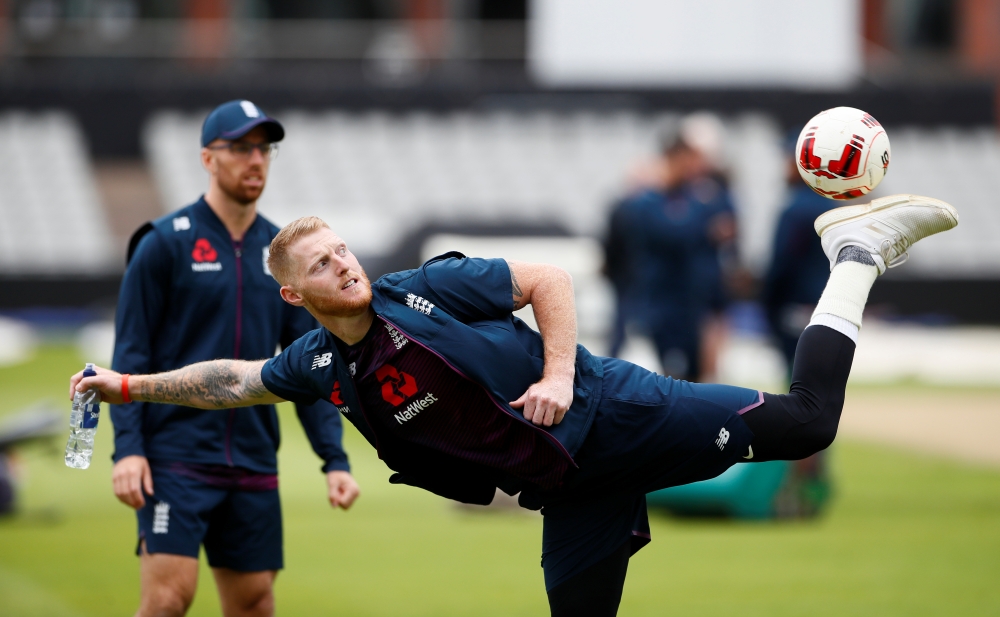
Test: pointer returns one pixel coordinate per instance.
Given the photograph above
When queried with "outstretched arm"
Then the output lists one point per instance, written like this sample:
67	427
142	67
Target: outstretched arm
218	384
549	291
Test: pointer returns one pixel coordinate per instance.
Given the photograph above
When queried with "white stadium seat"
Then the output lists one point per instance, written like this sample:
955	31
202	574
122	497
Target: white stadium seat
51	219
374	176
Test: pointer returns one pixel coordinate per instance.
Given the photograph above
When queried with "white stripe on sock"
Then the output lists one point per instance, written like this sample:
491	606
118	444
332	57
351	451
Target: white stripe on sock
835	323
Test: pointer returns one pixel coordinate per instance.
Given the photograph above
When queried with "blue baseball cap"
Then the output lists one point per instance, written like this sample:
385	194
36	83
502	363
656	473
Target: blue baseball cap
235	119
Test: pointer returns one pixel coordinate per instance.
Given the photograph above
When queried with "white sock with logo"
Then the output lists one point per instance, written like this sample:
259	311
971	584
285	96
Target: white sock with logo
843	300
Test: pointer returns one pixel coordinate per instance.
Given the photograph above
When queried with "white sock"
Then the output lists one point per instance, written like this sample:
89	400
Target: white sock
844	298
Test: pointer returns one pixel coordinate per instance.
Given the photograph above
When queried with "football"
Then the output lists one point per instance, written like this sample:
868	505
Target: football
842	153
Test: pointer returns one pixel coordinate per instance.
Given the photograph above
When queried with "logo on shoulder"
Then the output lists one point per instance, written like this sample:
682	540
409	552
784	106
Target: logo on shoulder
321	360
182	223
723	438
267	251
205	257
417	303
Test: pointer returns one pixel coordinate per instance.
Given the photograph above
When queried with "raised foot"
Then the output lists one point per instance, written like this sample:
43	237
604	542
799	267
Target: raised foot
886	227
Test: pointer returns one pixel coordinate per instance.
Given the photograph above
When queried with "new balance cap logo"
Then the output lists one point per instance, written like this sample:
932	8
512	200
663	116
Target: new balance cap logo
723	438
323	359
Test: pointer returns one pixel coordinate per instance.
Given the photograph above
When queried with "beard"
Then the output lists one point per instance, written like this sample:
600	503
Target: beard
353	306
234	188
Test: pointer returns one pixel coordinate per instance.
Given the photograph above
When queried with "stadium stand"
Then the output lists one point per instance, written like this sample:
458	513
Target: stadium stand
958	166
375	176
51	218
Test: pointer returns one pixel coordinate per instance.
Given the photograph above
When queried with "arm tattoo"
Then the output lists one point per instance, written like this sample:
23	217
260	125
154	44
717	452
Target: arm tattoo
210	385
518	294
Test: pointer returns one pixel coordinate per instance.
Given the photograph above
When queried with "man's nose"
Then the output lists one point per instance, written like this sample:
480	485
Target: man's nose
256	157
341	263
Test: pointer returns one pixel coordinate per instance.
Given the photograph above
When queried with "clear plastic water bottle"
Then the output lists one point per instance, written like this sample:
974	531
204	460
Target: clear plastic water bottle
83	425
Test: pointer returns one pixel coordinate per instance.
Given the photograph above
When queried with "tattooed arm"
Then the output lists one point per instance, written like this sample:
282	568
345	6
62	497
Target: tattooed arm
218	384
549	291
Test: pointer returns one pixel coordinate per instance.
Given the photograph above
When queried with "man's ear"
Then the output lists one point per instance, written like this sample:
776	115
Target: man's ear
290	296
207	160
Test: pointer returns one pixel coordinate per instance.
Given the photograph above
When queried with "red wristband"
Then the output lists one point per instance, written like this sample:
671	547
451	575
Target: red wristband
125	396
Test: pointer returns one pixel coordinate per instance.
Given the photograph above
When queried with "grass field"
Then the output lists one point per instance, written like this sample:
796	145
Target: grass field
907	535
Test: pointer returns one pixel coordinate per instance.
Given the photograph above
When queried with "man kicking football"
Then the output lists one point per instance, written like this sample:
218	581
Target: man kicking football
460	397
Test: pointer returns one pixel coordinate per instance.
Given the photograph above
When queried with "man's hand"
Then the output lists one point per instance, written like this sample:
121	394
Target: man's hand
107	381
546	402
343	490
132	477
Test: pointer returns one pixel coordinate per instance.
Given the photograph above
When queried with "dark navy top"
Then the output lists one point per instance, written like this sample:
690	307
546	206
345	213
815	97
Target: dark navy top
408	391
191	293
460	310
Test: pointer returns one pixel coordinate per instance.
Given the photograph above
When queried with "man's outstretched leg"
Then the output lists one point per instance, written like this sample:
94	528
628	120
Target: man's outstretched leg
862	242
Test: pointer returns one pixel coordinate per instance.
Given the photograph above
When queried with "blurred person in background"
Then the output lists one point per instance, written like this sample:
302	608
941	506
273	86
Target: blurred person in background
665	250
792	286
197	287
794	279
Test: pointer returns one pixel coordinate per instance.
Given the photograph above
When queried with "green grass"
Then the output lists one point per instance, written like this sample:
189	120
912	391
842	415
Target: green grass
906	535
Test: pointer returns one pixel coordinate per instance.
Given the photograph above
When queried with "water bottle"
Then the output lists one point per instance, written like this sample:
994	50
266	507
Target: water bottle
83	425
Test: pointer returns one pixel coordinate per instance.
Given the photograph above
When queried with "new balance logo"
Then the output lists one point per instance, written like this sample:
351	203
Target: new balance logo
161	517
323	359
418	304
415	408
723	438
182	223
353	367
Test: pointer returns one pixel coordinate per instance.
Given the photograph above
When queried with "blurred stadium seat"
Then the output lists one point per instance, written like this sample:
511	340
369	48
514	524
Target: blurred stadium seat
959	166
51	219
374	176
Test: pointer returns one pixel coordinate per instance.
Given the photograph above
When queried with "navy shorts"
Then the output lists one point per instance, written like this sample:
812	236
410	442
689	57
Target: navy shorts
650	432
241	529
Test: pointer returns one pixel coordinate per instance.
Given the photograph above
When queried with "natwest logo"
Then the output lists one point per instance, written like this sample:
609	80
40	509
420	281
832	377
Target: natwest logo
335	395
203	251
205	257
397	386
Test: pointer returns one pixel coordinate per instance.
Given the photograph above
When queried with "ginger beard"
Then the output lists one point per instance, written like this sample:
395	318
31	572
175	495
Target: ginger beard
243	188
342	303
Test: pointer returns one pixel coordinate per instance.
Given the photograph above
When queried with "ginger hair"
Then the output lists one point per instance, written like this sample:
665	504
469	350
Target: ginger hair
278	260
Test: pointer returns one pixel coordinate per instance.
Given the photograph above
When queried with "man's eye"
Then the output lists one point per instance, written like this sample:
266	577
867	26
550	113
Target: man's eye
240	148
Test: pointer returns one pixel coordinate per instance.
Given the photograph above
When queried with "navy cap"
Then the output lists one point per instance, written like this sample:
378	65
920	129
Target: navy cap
235	119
